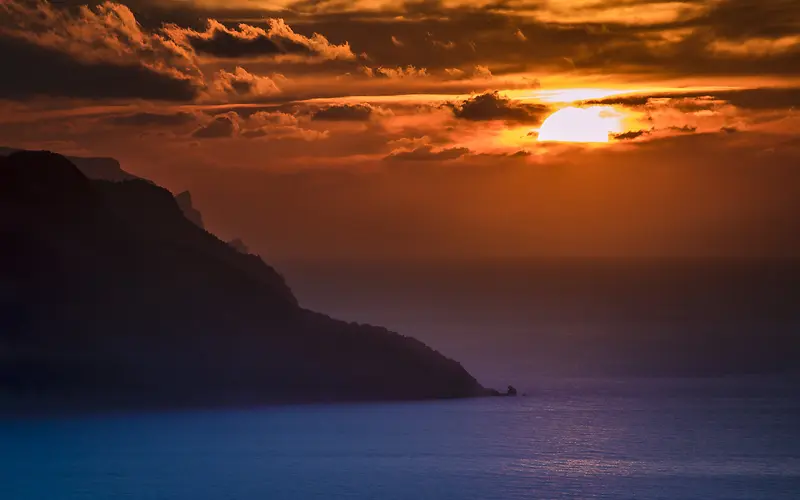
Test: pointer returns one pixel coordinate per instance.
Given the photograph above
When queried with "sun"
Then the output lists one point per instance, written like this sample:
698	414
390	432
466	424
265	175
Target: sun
571	124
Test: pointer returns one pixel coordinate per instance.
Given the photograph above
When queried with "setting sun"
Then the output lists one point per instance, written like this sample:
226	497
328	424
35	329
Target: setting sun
571	124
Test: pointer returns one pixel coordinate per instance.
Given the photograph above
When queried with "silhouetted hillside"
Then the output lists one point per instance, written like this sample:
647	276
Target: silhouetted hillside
99	168
109	295
109	169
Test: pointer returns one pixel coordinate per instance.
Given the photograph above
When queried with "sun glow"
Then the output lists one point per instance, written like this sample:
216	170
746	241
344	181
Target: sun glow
575	94
571	124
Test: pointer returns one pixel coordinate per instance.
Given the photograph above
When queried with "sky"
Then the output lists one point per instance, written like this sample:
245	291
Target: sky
434	129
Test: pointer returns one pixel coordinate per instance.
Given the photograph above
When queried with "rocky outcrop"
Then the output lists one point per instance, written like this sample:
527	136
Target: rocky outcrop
184	201
239	245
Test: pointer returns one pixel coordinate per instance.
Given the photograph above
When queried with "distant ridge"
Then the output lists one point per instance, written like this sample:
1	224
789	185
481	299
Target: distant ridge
110	296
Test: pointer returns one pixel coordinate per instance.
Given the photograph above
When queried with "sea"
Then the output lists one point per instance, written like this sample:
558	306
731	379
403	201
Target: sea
683	439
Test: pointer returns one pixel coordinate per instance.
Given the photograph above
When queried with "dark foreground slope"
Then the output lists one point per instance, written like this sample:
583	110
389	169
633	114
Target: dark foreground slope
110	296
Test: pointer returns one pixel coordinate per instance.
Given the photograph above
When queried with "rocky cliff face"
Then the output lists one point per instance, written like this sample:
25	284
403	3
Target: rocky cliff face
184	201
110	296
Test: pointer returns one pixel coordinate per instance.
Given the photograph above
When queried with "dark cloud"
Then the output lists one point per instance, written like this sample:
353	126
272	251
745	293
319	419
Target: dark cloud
221	127
729	130
146	119
255	133
754	98
729	37
522	153
630	135
745	19
762	98
103	51
220	42
243	83
42	71
264	125
395	73
253	41
492	106
686	129
285	133
720	37
482	35
167	58
344	112
627	100
695	104
427	153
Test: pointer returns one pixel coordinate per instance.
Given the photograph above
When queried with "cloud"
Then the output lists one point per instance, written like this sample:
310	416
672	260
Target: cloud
755	47
686	129
184	56
751	19
479	72
273	118
264	125
448	45
752	98
427	153
251	41
344	112
493	106
41	71
241	82
284	133
630	135
482	72
656	36
277	125
221	126
522	153
395	73
456	73
89	53
147	119
762	98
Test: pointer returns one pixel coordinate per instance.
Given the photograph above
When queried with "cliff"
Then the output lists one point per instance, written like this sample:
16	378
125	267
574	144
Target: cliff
110	296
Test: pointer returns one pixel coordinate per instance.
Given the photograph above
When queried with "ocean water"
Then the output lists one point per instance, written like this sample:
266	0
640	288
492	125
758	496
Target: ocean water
576	440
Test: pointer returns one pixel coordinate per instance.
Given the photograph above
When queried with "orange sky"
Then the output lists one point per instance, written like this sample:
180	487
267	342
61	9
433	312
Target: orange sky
371	127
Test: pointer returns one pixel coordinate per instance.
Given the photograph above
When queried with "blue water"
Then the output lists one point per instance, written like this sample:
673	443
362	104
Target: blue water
616	442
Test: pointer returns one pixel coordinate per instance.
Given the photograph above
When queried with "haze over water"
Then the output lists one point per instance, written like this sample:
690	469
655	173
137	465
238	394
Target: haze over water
512	321
612	439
